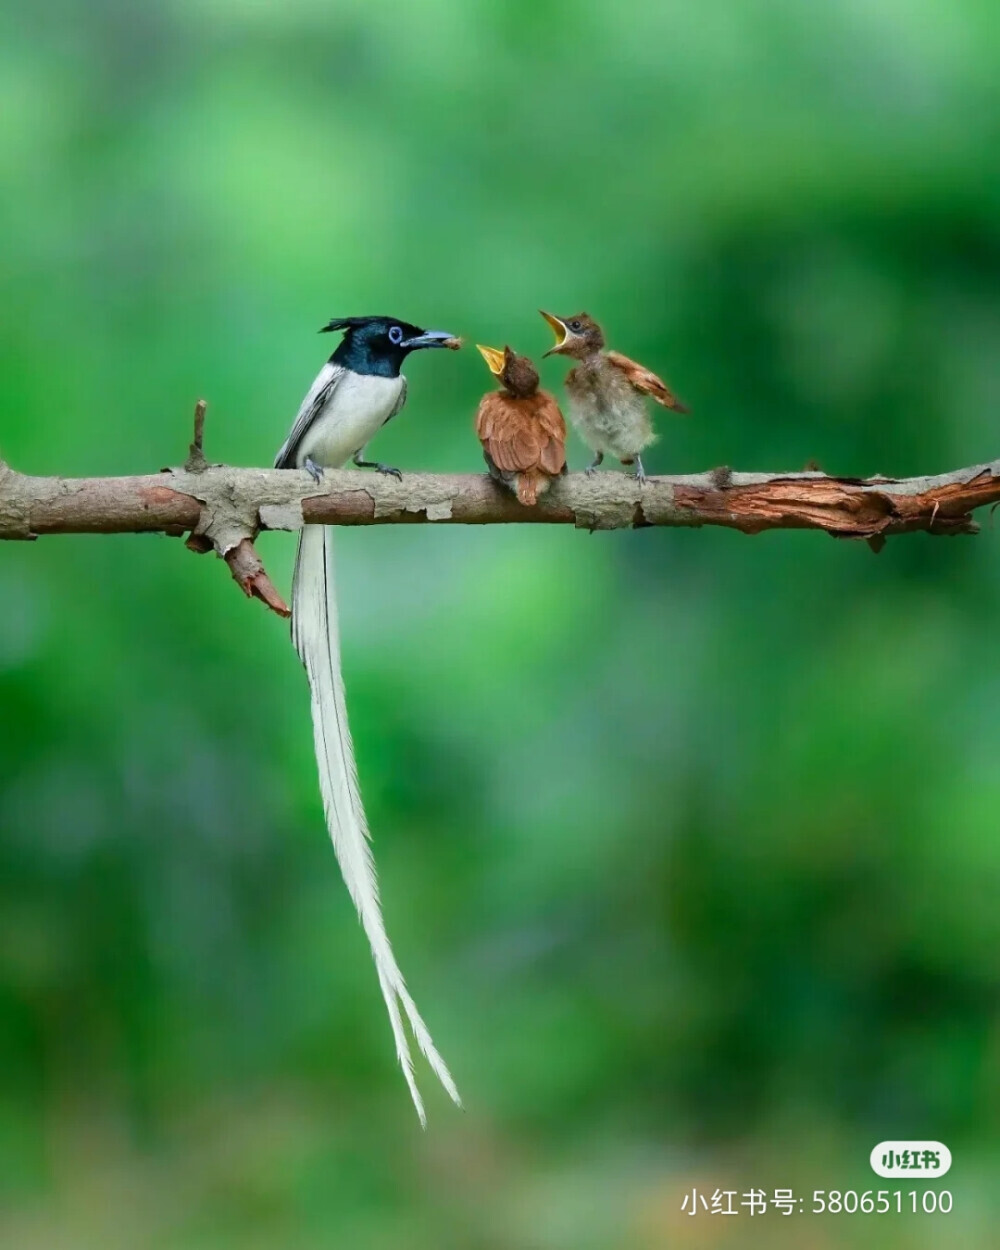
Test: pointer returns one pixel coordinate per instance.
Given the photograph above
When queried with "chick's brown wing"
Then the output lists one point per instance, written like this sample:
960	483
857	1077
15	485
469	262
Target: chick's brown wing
645	380
509	435
552	428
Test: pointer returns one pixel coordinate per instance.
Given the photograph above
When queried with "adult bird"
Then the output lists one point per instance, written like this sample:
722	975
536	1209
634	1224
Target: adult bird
607	393
357	391
520	427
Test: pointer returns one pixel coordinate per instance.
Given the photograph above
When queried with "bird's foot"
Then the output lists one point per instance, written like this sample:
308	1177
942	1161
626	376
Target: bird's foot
377	465
591	468
314	470
639	473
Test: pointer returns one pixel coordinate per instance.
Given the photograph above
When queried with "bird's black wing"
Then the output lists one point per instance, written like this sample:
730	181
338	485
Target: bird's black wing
315	401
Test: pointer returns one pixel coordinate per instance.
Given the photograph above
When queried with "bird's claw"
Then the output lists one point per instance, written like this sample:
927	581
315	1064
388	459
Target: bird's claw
389	471
639	473
314	470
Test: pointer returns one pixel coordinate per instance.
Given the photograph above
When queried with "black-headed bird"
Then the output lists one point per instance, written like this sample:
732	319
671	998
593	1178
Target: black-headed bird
520	427
607	393
356	392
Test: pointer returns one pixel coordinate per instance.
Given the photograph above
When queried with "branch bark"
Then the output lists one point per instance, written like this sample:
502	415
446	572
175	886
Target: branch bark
222	507
177	501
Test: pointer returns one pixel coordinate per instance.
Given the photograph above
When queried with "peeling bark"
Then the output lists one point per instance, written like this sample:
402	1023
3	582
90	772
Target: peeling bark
223	508
247	500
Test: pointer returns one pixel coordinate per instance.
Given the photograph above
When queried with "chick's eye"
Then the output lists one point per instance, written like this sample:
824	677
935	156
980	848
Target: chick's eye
575	326
396	335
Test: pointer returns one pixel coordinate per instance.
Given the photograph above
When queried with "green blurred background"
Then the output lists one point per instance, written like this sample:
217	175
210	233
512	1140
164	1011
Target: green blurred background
688	841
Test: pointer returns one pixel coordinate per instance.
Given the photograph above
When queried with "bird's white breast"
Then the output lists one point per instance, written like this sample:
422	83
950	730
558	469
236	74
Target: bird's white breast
609	412
359	405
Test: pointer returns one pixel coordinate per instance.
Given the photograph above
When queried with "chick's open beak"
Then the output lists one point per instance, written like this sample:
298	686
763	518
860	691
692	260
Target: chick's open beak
560	331
494	359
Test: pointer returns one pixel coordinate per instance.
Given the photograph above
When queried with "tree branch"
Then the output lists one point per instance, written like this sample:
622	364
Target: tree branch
223	507
176	501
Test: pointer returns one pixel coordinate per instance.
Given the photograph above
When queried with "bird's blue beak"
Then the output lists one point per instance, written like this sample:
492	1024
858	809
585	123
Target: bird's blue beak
430	338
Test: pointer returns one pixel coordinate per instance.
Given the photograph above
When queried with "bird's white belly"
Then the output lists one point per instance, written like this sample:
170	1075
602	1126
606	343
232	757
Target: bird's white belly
358	408
617	424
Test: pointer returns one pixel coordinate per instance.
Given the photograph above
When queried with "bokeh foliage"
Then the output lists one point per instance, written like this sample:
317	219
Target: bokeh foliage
688	841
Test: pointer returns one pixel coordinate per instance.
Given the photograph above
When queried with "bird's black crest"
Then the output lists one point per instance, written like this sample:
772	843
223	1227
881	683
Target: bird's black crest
350	323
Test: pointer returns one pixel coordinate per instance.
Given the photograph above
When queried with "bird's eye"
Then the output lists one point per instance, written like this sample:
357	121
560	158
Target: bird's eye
396	335
575	326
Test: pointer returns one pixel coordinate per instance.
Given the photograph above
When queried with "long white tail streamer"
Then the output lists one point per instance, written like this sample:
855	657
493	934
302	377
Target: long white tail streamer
316	638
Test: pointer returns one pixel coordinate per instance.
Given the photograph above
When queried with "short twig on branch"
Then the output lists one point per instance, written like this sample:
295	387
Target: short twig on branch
223	508
196	462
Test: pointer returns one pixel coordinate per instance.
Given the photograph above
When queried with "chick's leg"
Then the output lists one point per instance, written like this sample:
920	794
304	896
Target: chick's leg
639	473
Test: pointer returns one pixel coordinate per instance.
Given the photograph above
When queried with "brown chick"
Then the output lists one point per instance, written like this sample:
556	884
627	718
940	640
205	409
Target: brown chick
607	393
520	427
